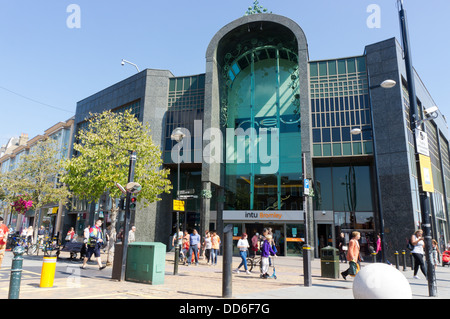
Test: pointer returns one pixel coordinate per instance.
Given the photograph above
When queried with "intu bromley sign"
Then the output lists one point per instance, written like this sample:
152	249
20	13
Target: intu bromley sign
263	215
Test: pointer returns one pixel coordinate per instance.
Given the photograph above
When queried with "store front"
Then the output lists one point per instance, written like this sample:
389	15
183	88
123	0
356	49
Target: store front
287	228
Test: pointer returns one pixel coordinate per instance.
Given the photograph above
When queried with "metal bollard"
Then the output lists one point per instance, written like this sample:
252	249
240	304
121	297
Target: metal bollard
16	273
396	260
374	257
227	287
307	265
48	272
404	260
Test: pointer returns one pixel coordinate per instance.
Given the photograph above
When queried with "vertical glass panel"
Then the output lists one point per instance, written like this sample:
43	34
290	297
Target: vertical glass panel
337	149
357	148
323	68
361	61
317	149
313	69
322	184
332	70
351	66
347	149
341	67
327	150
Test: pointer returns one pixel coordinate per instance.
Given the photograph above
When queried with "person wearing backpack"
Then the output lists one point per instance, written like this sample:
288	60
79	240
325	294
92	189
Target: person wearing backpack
94	244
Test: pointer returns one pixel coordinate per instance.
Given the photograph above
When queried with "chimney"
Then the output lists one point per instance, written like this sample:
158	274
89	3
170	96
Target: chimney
23	139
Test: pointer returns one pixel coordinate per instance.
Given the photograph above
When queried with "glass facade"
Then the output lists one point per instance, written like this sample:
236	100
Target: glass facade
186	104
339	103
260	118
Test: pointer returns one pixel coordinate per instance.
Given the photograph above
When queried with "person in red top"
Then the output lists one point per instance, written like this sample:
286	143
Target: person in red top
3	238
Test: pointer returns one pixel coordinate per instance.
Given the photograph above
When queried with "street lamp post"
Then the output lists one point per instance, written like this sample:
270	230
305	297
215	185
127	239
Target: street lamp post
131	63
177	136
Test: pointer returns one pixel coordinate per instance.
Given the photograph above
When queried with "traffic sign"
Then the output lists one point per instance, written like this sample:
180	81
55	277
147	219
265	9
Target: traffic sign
306	187
178	205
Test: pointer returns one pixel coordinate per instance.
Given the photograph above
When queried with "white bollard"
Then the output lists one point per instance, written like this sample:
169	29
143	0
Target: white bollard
380	281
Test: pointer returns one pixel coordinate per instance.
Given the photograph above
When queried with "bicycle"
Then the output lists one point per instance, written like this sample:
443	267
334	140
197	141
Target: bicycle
253	261
51	245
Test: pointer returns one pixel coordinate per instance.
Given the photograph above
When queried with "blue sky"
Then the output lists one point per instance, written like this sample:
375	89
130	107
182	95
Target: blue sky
45	61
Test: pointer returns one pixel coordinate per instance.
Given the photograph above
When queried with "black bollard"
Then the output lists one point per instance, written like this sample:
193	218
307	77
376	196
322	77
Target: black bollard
404	260
307	265
374	257
397	262
227	291
16	273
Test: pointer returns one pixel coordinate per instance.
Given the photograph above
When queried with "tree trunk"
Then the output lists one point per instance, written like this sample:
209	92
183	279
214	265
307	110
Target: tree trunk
112	234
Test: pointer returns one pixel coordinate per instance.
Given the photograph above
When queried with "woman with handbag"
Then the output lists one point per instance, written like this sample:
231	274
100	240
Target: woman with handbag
353	255
418	253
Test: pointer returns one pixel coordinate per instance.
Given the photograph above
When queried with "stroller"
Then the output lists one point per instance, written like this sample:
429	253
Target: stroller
446	258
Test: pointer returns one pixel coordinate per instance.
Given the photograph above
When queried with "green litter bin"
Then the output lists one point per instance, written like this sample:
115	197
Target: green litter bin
329	262
146	263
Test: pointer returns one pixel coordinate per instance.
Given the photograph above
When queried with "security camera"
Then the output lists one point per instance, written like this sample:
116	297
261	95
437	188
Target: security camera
123	63
431	110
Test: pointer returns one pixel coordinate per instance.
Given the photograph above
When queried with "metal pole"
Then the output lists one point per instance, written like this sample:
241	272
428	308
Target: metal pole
177	247
227	262
127	216
307	279
16	273
306	246
424	200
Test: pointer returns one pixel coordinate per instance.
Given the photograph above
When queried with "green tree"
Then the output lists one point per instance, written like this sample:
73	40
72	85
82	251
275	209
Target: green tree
101	159
37	175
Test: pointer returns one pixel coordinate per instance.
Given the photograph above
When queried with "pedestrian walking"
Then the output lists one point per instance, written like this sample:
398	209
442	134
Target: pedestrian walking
215	246
207	246
243	249
266	252
194	244
343	248
184	250
255	244
70	234
418	253
353	254
29	234
378	250
177	239
132	235
3	239
95	242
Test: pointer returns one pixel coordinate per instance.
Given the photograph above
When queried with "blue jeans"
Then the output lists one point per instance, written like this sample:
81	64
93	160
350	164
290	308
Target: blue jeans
193	248
243	255
214	253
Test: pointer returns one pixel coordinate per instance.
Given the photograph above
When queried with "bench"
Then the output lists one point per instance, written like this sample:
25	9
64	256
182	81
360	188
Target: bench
72	247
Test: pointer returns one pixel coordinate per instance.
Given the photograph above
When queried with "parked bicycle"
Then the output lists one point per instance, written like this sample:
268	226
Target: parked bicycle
50	246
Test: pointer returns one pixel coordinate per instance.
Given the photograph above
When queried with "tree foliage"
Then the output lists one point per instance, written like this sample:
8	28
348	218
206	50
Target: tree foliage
102	159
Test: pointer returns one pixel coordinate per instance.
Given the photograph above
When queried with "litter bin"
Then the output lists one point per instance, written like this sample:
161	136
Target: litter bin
329	262
48	272
146	263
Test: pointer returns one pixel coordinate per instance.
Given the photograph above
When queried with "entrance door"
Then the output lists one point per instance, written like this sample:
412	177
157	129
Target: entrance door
325	236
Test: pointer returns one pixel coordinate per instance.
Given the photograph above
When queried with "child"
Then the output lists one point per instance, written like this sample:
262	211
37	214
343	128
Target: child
184	249
266	251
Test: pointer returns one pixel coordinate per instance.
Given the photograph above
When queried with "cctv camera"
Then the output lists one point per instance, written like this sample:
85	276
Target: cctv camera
431	110
123	63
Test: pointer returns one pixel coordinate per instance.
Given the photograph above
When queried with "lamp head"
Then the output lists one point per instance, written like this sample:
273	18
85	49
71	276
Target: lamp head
177	134
388	84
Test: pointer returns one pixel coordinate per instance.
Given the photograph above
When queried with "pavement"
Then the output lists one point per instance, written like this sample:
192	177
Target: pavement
196	282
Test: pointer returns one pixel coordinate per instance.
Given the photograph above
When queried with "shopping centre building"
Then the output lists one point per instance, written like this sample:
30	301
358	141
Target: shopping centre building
263	118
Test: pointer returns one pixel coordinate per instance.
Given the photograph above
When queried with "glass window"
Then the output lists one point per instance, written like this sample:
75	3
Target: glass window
332	67
341	67
351	65
323	68
313	69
